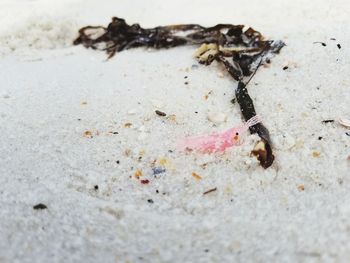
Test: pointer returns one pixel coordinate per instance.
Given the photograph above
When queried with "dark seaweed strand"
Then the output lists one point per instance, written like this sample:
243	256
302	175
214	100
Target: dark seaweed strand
248	111
118	36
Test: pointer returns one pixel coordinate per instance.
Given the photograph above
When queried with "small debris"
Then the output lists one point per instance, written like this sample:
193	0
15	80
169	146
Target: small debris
138	174
146	181
261	151
206	96
206	53
327	121
186	83
301	187
204	166
322	43
127	125
84	103
150	201
172	118
233	101
40	206
196	176
347	133
339	46
96	187
209	191
320	138
158	170
217	117
114	132
163	162
285	67
118	162
88	134
344	122
160	113
316	154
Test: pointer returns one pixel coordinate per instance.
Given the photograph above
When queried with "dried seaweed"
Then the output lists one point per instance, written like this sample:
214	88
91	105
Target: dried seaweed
240	51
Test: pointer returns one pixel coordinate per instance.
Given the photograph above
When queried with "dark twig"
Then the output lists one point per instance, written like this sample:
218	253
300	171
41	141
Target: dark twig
209	191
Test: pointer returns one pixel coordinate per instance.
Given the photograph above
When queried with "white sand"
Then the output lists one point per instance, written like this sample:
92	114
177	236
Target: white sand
255	215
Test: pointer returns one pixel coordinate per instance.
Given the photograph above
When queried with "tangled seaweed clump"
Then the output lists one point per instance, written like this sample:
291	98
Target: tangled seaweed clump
240	51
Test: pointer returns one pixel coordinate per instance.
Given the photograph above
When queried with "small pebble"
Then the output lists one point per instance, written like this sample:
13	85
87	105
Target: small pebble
150	201
88	134
344	122
160	113
40	207
138	174
339	46
217	117
316	154
327	121
158	170
322	43
146	181
301	187
196	176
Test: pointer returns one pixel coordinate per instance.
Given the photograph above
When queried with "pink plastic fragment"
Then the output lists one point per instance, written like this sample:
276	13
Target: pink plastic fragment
216	142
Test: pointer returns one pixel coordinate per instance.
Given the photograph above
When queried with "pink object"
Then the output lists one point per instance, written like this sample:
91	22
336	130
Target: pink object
216	142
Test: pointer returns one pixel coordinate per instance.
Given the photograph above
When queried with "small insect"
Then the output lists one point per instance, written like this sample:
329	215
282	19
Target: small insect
217	142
